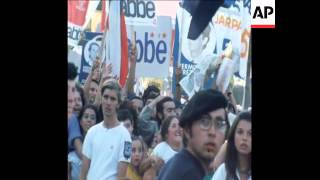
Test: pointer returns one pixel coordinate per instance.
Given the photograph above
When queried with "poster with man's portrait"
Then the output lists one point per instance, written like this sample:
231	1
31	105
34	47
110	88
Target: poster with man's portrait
90	50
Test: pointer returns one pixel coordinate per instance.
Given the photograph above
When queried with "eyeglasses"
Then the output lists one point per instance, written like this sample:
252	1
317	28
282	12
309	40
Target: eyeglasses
206	123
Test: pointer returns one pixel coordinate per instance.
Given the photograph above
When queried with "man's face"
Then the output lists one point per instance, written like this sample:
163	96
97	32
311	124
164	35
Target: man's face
109	102
93	91
78	103
127	124
205	144
137	104
93	52
168	109
71	91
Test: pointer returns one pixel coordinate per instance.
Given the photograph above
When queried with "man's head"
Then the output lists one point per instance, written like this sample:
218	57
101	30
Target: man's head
150	98
165	108
126	117
93	51
205	124
111	98
72	74
93	90
151	90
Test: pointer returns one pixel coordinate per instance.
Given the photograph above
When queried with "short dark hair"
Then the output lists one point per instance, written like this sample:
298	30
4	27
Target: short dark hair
165	127
135	97
201	103
152	89
95	81
72	71
124	114
112	85
159	105
231	152
128	106
150	96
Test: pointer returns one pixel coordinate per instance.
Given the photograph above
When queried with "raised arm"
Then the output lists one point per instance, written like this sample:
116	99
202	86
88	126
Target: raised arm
93	75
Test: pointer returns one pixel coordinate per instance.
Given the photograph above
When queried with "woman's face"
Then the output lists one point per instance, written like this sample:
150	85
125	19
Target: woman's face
137	153
88	119
242	137
174	132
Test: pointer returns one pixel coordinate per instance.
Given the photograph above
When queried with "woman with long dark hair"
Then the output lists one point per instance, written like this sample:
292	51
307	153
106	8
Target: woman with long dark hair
87	118
237	165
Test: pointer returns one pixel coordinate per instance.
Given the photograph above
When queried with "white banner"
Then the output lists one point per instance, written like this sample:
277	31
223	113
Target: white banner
153	48
139	12
245	38
233	25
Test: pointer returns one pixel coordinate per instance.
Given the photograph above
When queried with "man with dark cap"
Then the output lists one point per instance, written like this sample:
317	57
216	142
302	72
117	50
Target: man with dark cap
204	124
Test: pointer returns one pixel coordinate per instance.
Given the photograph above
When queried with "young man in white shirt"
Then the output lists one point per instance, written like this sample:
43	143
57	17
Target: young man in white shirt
107	145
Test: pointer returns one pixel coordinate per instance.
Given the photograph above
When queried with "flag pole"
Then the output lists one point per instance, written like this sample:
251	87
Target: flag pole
180	37
103	42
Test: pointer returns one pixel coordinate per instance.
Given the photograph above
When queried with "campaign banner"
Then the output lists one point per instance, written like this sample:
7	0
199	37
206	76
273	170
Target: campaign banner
79	14
245	38
230	24
139	12
90	51
153	47
188	53
233	25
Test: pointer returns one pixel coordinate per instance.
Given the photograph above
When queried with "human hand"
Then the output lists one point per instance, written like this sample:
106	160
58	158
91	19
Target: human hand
156	162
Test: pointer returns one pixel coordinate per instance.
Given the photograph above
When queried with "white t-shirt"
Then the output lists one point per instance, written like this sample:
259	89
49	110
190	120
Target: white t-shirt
164	151
106	148
221	173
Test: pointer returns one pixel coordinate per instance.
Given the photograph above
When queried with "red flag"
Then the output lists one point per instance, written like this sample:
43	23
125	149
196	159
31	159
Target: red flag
103	16
77	11
124	52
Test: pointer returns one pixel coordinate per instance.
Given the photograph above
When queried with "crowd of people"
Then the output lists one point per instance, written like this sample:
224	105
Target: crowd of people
115	134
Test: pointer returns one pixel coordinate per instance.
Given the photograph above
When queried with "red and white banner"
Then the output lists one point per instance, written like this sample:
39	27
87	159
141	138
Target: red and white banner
117	41
79	14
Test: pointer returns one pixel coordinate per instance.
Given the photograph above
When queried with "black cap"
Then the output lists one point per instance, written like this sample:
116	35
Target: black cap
202	103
